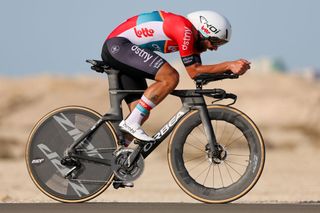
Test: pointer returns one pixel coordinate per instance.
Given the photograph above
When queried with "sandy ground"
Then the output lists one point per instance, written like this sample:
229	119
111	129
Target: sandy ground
286	109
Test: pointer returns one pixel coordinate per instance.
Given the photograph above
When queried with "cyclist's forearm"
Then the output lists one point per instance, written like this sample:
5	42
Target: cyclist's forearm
196	69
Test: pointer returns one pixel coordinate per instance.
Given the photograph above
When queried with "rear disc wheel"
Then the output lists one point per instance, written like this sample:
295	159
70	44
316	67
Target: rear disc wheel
73	180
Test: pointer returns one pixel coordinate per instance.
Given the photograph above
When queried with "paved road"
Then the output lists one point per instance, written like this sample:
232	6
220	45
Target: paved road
157	207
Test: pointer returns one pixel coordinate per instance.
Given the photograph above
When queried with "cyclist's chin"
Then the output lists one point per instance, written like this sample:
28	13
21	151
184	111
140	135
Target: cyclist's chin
203	49
212	48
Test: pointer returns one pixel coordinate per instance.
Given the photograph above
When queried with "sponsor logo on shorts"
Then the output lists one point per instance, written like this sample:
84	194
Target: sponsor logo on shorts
158	63
141	53
186	38
143	32
115	49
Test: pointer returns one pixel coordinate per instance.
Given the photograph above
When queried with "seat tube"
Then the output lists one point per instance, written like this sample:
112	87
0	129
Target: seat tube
115	98
207	125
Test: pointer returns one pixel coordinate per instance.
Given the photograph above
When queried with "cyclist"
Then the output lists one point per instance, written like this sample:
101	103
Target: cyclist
130	48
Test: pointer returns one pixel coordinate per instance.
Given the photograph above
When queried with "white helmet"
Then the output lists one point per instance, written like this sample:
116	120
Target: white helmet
211	24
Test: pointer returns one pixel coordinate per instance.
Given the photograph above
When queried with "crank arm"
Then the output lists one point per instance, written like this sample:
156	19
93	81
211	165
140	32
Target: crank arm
70	172
96	160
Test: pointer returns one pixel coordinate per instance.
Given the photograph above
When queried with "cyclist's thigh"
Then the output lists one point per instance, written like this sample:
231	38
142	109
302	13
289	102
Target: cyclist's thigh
131	59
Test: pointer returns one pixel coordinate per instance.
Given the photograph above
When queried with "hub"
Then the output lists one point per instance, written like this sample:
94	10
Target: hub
70	162
218	155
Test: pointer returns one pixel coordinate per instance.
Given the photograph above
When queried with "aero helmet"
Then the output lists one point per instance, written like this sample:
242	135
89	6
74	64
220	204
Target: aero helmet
211	24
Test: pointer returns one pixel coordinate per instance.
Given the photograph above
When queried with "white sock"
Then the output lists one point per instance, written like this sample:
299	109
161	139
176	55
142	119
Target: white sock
140	111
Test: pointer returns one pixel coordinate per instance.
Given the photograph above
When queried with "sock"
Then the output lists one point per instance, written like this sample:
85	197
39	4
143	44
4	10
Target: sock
140	111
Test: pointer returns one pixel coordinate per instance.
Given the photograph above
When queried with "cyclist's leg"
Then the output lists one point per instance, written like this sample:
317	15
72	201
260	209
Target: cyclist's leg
129	82
166	81
133	60
167	78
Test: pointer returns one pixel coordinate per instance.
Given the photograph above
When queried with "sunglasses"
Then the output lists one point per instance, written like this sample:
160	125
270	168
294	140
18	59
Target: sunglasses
217	41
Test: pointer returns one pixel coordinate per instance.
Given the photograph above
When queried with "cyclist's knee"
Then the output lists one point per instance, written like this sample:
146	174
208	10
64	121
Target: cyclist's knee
175	77
168	76
171	81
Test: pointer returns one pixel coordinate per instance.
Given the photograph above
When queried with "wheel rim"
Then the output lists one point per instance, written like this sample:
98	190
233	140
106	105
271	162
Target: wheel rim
215	192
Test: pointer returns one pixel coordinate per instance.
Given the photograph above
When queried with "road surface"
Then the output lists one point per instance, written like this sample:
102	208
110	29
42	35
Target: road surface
156	207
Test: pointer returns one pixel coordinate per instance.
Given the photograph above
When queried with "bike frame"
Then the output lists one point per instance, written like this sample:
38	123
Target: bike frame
191	100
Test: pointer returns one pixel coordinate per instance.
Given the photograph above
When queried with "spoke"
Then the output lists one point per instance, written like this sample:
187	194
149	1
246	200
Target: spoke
236	163
234	130
203	133
195	147
197	165
203	172
197	139
234	141
224	127
216	129
233	169
221	176
229	173
240	155
207	174
201	130
200	156
212	175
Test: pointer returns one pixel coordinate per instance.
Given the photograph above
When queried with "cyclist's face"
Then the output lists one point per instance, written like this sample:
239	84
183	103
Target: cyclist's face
211	46
207	45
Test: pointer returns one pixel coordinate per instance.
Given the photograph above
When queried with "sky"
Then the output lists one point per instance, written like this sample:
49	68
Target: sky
56	36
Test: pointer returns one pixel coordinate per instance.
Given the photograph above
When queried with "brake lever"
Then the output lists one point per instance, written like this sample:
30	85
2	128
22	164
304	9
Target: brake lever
225	96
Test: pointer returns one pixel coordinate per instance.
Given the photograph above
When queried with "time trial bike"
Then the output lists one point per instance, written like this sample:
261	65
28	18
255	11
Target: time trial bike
215	153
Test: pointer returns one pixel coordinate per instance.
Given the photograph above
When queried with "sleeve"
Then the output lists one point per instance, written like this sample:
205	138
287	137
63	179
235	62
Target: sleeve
192	59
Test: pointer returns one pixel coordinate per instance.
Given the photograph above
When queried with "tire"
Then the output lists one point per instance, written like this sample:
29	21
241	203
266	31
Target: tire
209	180
49	139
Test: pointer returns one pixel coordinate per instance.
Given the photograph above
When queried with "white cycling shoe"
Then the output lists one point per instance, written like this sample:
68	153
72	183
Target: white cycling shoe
135	130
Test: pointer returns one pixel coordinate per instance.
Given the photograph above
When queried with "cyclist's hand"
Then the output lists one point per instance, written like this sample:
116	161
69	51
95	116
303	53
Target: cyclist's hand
239	67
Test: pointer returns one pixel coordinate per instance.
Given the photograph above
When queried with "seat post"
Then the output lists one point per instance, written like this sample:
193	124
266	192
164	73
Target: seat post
113	79
115	98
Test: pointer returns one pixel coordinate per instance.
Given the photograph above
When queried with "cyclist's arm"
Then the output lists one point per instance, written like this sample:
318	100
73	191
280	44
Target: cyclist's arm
195	69
238	67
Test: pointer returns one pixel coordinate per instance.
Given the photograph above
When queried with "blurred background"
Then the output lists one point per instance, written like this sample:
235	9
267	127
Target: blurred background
43	47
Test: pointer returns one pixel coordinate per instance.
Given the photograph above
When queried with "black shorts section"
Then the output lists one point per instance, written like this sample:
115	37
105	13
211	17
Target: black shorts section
135	64
131	59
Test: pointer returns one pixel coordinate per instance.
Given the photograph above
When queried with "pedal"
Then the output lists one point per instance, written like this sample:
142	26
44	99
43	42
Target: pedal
122	184
70	172
141	143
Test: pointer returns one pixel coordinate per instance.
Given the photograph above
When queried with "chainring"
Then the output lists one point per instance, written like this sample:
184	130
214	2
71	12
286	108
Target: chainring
121	171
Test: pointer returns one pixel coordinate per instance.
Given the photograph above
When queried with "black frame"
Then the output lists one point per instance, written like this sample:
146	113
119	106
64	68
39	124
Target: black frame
191	100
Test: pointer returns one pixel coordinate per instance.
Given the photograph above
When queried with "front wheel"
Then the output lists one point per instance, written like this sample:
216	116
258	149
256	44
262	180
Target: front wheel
202	175
80	180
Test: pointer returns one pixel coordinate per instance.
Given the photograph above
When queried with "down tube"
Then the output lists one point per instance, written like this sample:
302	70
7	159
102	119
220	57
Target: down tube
164	131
